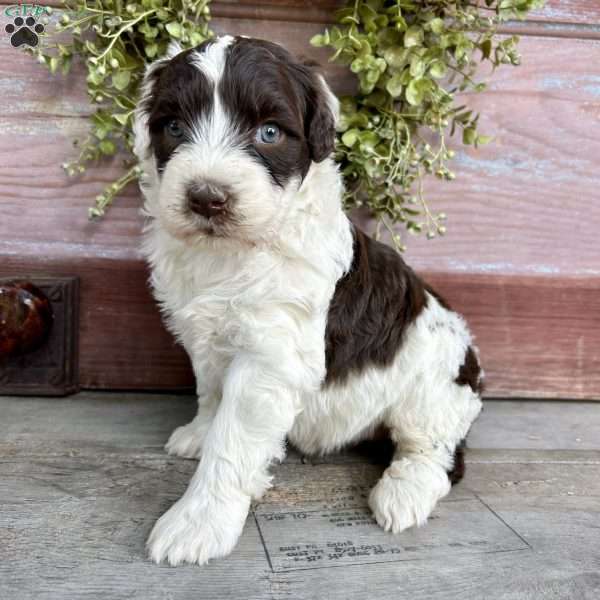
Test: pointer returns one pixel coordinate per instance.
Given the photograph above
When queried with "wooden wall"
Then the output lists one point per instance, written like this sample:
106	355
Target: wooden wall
521	258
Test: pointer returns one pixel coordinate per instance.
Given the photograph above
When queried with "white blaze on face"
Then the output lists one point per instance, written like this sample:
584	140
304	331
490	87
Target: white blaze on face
212	61
215	128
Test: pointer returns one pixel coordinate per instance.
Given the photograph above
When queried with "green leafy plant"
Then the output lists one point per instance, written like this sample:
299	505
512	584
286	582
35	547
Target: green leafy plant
115	39
412	59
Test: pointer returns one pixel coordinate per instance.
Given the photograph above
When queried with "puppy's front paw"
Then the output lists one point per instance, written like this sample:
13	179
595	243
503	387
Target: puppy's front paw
407	493
186	441
194	532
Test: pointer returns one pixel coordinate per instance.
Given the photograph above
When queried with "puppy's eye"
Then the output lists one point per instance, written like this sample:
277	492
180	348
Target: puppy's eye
268	133
174	128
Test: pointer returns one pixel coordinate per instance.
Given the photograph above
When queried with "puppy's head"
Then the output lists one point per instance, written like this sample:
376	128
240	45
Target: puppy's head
226	133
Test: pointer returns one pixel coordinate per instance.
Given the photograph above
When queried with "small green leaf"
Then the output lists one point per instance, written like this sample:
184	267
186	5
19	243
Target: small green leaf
400	23
121	80
469	135
413	37
368	140
93	76
53	64
350	137
174	29
121	118
151	50
358	65
436	25
414	92
372	75
107	147
66	66
368	16
148	31
94	213
357	119
388	37
394	85
486	48
482	140
196	38
320	40
417	67
438	69
364	50
396	57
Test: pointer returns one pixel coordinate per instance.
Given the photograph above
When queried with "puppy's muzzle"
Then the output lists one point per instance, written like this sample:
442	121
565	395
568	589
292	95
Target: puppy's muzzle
207	199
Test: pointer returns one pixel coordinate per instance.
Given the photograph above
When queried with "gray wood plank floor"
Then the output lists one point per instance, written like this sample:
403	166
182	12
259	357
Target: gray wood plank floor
82	480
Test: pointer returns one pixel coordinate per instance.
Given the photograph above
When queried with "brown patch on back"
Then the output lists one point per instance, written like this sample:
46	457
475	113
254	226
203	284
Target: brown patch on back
470	372
370	309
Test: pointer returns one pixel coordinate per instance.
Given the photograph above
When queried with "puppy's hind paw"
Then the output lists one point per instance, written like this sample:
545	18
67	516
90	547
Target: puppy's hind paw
407	493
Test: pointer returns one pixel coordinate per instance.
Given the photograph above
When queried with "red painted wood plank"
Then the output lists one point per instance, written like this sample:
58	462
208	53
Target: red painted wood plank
539	336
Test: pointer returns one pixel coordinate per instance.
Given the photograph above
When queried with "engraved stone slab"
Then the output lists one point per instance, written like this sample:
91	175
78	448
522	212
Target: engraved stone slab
334	537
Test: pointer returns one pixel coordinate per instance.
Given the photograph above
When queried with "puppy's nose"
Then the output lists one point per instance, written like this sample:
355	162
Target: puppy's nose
206	199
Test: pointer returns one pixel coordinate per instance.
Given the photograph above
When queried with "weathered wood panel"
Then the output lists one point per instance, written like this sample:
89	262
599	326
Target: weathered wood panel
520	259
129	423
83	479
543	348
568	11
585	12
529	201
539	336
571	12
537	426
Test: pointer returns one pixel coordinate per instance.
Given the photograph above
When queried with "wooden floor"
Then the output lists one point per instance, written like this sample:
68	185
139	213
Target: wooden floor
83	479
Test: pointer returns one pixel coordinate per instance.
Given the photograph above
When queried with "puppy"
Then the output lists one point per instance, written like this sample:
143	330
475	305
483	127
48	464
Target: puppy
297	324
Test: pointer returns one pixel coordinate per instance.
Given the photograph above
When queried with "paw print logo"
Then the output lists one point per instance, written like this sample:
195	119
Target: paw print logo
24	32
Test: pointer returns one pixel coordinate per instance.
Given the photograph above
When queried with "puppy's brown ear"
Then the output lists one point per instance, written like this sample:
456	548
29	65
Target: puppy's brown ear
144	106
322	116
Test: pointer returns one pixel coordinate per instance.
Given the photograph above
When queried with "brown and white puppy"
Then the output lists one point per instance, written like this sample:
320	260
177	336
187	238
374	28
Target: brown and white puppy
297	324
